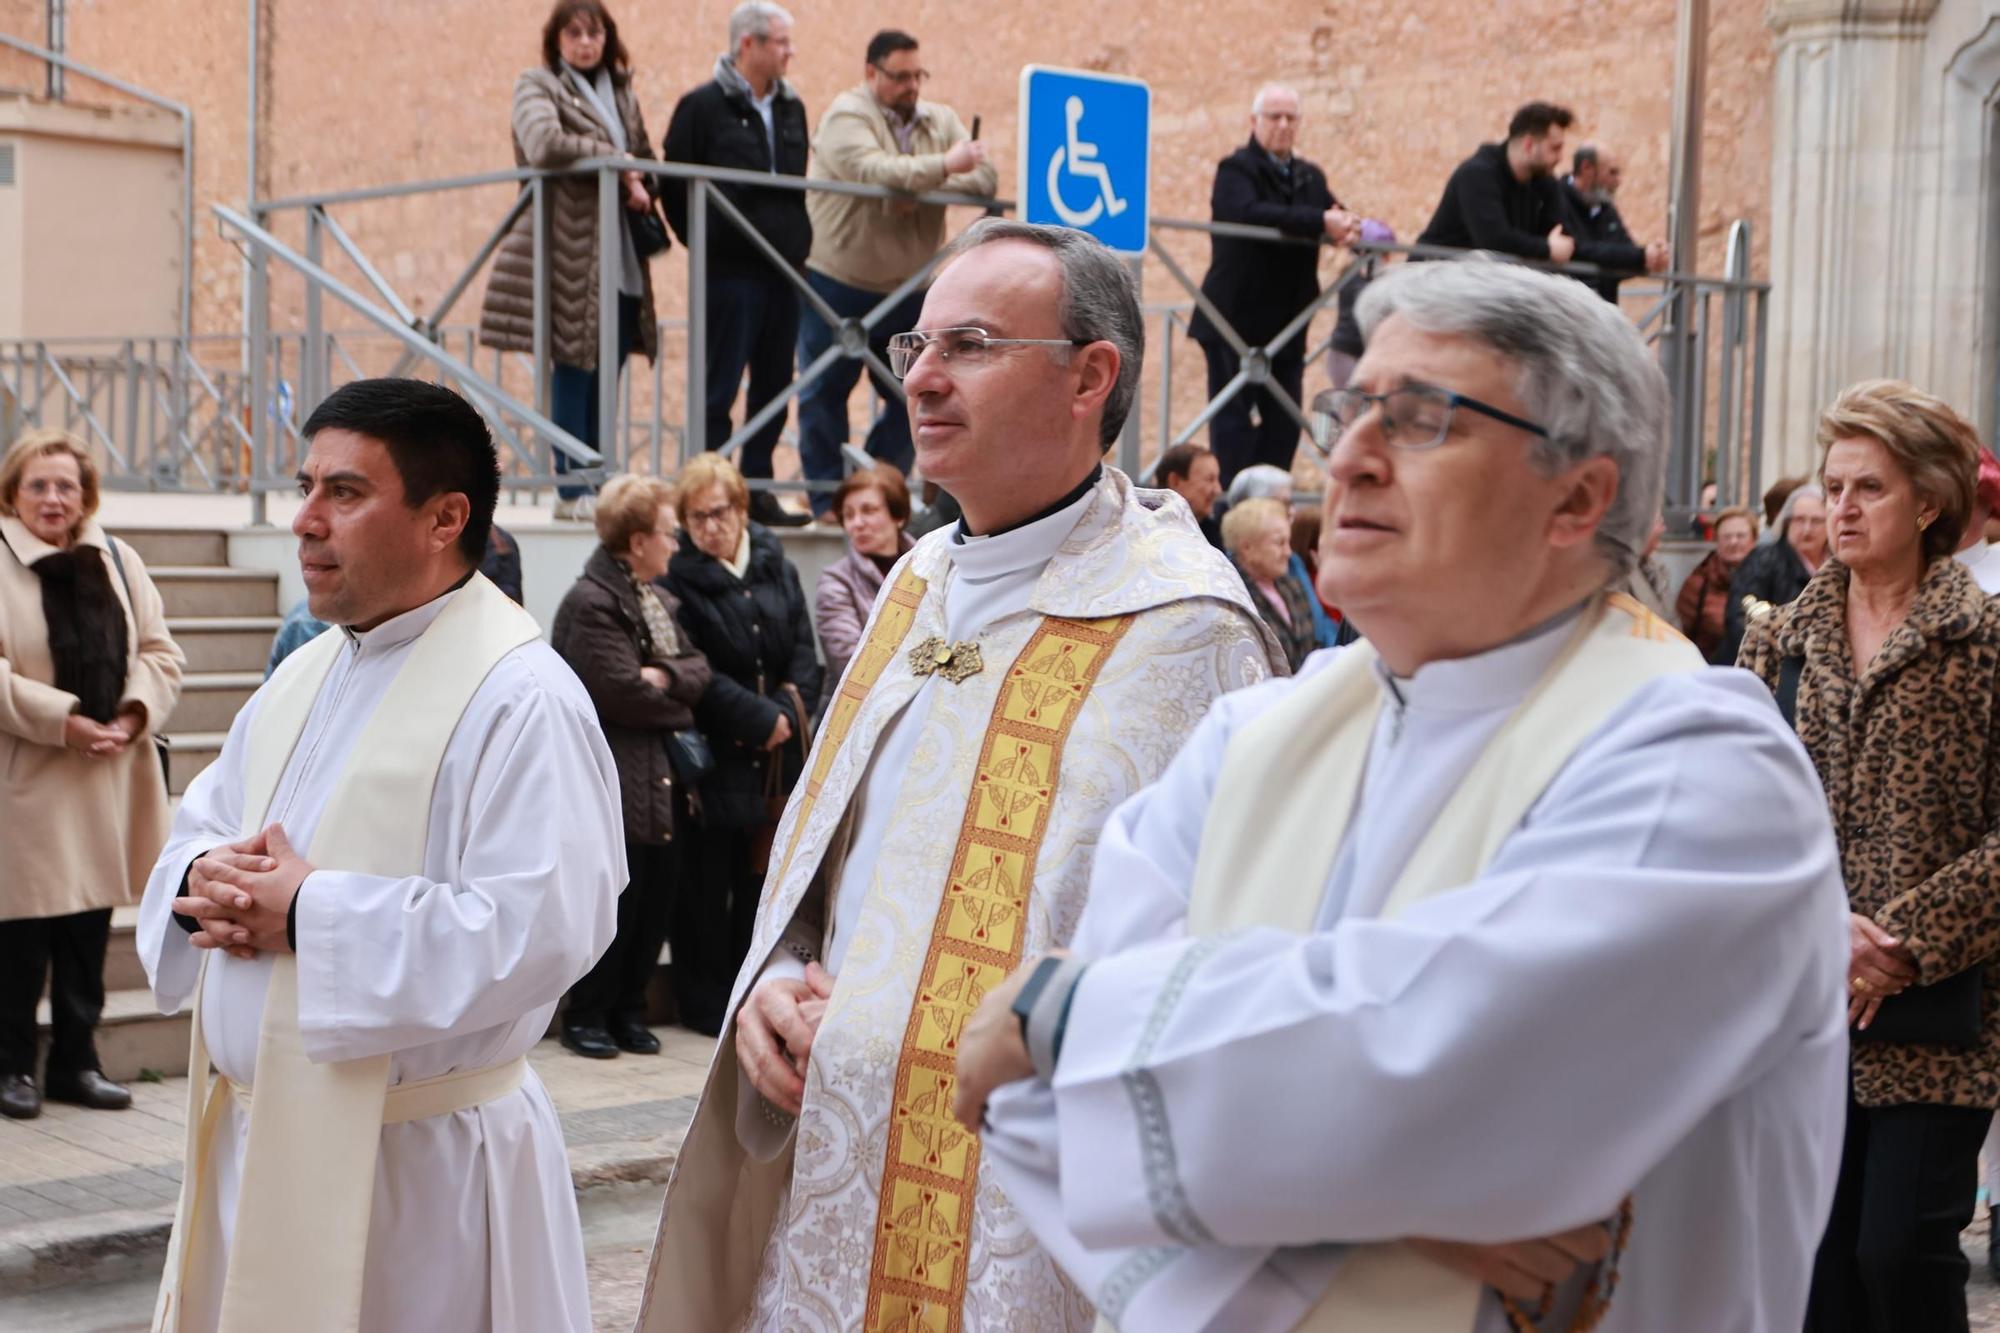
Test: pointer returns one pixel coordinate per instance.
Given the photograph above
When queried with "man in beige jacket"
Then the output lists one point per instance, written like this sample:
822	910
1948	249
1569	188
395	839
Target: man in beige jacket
880	132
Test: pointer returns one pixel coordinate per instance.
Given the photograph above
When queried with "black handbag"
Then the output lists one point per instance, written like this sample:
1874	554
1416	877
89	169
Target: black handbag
159	741
690	758
649	231
1944	1013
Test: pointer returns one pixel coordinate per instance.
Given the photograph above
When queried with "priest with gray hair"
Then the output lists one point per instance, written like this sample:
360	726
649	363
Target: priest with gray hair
1513	921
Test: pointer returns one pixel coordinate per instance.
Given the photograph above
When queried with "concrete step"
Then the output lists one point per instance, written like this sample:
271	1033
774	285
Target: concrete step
225	643
133	1035
200	590
122	968
210	700
176	546
189	752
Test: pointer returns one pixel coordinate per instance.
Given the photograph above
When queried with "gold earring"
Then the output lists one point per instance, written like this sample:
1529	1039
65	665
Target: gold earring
1923	521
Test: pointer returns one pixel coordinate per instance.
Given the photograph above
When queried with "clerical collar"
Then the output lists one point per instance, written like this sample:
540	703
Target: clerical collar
1496	678
1022	546
401	629
1083	488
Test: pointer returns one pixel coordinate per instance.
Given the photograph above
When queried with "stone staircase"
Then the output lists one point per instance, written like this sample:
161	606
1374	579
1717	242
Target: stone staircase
224	620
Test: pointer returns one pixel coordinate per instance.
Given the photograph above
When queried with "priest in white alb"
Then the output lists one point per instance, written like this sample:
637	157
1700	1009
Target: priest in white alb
1023	671
407	850
1514	920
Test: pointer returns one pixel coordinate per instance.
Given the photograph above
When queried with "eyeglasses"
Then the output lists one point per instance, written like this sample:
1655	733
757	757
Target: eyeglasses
62	490
1416	416
698	518
965	347
902	77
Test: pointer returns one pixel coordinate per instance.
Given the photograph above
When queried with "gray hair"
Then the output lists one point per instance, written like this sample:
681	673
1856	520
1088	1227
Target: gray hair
1584	373
1257	102
1776	532
1261	481
1100	301
753	18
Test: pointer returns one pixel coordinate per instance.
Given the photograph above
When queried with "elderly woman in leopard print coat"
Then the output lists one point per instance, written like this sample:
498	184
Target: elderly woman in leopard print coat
1896	655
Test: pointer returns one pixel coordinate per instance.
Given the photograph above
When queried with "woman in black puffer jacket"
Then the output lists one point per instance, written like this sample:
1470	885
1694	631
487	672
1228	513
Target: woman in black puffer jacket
742	606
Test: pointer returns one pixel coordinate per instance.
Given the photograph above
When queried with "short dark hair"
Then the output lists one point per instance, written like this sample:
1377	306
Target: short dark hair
437	441
1536	118
1178	462
887	42
615	58
1586	156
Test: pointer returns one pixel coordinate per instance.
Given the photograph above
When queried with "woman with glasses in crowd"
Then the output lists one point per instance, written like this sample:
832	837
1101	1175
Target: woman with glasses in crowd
742	607
87	675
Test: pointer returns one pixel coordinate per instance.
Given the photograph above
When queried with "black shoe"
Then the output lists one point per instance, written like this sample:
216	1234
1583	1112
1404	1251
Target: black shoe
20	1099
592	1043
764	507
87	1087
636	1038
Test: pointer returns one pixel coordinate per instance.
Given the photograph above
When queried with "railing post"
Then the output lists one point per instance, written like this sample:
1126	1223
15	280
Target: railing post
260	384
1128	434
314	377
1165	357
694	434
610	268
539	205
131	355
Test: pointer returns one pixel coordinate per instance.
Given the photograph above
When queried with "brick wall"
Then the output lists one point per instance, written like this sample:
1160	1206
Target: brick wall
362	92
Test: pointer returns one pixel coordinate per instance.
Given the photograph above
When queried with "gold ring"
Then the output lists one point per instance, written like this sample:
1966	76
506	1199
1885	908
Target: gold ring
1860	985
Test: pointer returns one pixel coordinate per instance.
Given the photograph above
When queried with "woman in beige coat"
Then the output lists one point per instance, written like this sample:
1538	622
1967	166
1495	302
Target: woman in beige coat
578	104
87	672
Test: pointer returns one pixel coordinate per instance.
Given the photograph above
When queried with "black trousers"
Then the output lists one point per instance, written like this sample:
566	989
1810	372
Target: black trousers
713	916
67	951
1251	427
1890	1260
753	325
614	989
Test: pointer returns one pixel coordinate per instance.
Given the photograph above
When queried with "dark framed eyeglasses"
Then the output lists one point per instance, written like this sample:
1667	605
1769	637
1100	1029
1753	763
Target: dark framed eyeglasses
962	347
905	77
1416	416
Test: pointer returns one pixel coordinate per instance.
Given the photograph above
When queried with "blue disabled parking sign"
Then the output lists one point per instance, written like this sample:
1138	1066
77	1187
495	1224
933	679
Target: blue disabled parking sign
1086	153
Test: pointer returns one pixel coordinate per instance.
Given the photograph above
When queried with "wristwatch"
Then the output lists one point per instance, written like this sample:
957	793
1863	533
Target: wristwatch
1038	980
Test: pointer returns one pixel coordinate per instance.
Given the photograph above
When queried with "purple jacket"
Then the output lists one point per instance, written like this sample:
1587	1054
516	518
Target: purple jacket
846	594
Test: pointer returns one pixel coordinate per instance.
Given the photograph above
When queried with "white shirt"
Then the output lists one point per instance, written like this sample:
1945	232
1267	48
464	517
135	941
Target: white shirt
459	967
1983	559
1643	993
763	105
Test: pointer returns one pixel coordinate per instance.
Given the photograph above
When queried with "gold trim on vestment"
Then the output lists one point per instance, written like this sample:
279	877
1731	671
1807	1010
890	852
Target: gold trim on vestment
930	1173
899	612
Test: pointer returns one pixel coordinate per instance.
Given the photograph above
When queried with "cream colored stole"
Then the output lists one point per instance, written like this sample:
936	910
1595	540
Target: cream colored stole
1282	803
308	1178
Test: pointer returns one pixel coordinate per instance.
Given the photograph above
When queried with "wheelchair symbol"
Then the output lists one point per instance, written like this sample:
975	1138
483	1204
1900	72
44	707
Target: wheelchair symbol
1082	160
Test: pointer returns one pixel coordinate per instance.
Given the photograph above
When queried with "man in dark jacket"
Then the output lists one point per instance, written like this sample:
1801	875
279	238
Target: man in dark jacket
1504	197
1593	220
749	118
1259	286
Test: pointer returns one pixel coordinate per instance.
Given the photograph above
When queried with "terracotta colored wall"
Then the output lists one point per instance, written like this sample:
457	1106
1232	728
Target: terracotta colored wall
371	91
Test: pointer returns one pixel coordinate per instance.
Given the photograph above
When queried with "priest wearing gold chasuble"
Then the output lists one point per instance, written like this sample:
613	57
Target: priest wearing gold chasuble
1022	672
1514	921
409	847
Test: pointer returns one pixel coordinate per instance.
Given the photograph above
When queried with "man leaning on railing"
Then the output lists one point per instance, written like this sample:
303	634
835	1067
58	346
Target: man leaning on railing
750	118
880	132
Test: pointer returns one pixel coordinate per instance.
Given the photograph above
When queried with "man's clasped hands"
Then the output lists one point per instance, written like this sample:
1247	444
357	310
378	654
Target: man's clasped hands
240	894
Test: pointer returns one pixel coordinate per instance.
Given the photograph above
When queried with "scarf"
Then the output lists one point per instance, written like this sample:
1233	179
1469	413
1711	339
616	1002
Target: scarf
659	625
602	99
86	621
732	80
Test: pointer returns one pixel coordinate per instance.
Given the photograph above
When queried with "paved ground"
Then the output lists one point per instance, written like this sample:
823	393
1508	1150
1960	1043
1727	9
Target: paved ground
86	1197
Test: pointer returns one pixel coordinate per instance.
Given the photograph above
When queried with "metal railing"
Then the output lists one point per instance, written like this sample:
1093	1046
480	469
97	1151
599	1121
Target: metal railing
1711	332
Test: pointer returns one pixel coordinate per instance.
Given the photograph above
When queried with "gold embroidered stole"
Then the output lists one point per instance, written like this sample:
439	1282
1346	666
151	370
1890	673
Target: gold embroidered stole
308	1176
930	1174
1283	798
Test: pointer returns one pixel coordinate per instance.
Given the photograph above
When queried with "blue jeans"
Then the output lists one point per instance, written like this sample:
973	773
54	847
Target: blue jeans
753	316
573	394
823	403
